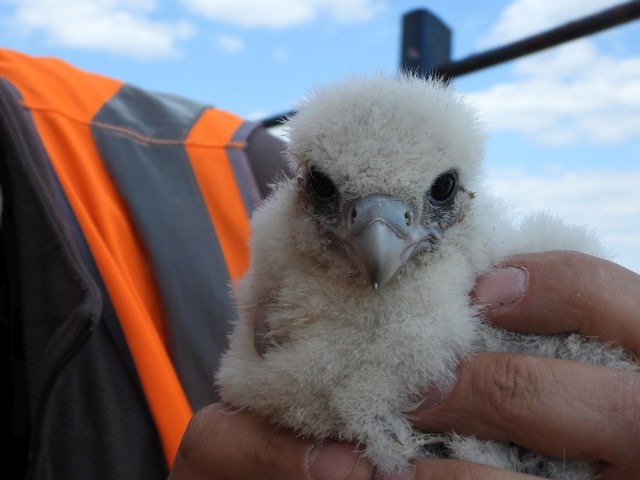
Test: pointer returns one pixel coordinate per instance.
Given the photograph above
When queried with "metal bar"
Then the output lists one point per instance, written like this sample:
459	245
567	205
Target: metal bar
611	17
276	120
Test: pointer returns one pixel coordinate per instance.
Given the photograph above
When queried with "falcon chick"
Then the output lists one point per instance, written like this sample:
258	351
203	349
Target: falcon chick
361	270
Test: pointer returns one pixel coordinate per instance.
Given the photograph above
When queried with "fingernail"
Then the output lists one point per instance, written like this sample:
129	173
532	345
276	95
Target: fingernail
331	461
436	394
406	474
501	287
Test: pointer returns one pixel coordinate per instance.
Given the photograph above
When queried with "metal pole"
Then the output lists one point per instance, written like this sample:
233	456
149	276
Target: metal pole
426	43
429	52
276	120
609	18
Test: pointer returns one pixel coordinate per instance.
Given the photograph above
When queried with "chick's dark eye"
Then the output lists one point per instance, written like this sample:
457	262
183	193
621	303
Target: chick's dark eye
443	188
321	185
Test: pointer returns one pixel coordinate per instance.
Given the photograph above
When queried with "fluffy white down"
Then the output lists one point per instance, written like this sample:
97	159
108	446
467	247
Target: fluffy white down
347	362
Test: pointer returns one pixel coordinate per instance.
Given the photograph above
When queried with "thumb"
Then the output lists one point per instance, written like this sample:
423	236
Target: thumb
561	291
220	442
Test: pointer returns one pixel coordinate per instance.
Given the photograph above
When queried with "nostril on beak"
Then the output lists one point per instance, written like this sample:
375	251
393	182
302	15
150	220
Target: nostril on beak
353	213
408	218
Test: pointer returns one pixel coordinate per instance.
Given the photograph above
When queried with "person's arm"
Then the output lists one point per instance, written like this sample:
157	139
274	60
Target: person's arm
557	407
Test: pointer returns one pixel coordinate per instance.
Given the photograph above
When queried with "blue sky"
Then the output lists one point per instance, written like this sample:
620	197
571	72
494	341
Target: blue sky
564	124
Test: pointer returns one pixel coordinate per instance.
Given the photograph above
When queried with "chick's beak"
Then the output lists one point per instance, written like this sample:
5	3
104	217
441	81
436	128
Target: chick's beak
379	235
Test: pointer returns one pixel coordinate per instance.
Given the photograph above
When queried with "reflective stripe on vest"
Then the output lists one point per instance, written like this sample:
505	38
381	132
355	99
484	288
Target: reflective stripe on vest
162	191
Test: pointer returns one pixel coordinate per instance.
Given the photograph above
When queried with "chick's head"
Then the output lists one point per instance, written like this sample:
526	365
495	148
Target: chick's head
385	166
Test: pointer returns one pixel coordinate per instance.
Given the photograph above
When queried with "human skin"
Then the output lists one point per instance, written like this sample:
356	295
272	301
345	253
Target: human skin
219	444
557	407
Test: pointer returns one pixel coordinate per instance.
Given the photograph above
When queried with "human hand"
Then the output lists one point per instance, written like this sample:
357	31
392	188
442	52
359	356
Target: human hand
556	407
223	444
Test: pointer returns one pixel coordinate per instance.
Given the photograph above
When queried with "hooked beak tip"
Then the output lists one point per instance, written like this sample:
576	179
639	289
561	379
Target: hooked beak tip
379	236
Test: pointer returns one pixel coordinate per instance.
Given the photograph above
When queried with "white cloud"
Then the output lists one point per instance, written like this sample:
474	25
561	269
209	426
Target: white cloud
569	95
117	26
574	93
605	200
283	13
230	43
522	18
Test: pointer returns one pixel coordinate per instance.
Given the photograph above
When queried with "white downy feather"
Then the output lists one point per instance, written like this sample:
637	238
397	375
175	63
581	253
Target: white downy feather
347	362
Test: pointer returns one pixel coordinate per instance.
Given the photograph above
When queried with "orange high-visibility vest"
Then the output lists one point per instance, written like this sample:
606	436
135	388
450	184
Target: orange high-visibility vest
161	191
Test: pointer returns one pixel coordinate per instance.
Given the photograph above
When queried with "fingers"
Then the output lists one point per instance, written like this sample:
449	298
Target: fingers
457	470
553	292
221	443
556	407
454	470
